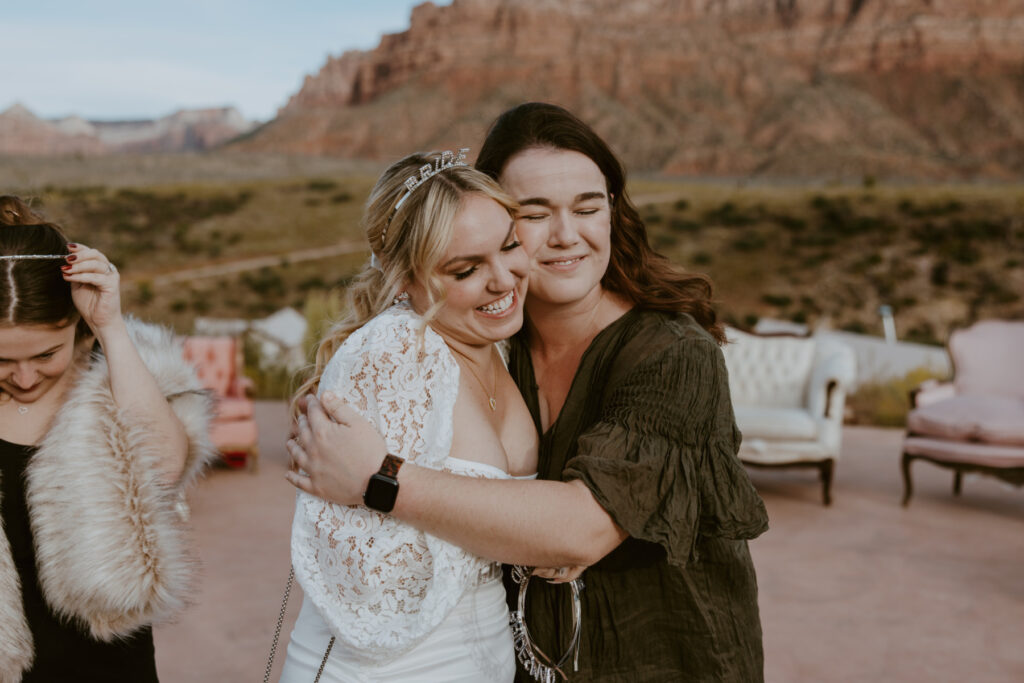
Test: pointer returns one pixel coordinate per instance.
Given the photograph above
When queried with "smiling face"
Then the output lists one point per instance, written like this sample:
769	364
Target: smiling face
484	273
34	359
565	210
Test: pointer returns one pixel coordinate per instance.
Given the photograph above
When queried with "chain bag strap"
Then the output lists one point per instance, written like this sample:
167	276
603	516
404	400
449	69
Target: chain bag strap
277	634
536	663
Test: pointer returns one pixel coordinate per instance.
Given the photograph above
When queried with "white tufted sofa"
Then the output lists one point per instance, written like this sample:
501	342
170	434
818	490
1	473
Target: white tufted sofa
789	394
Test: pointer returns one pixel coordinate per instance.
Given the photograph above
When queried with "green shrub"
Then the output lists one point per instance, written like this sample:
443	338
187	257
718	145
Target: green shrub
780	300
320	185
885	403
683	225
749	241
322	310
730	215
271	382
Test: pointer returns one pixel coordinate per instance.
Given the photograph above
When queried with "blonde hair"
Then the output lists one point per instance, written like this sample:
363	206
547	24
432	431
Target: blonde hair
409	243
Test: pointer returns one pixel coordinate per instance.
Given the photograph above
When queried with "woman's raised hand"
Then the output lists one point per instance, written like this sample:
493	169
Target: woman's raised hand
334	451
95	287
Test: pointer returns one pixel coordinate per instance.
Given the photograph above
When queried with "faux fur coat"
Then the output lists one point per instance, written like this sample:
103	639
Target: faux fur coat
111	546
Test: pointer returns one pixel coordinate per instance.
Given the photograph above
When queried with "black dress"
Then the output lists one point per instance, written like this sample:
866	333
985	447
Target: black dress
64	651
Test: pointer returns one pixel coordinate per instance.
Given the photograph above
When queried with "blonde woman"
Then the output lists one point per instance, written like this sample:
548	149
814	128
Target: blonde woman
639	478
417	358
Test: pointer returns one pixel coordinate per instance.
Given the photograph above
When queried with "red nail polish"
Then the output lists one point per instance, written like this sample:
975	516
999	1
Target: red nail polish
72	245
65	267
71	258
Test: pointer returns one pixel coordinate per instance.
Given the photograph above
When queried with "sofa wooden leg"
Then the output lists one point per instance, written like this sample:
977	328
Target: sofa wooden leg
827	467
908	486
958	480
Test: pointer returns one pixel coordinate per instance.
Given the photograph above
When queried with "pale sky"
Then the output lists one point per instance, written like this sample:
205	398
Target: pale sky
128	59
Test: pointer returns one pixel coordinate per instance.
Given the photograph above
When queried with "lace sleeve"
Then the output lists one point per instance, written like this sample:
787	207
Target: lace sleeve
381	585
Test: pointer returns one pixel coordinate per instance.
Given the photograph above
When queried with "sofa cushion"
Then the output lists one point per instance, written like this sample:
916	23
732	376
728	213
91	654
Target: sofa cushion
214	359
987	419
987	455
790	424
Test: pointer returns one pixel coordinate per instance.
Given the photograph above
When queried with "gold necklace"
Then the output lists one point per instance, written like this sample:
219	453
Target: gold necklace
490	394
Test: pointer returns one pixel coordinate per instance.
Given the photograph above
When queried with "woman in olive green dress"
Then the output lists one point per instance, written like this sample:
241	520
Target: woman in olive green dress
639	481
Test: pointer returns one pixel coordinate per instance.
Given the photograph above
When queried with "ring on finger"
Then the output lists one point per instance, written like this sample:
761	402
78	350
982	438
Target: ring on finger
111	268
562	571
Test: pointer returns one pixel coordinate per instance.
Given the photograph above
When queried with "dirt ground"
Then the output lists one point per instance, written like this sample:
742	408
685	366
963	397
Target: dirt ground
864	590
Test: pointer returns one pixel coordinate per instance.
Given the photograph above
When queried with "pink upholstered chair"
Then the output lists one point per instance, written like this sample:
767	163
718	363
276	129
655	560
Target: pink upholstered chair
218	362
976	422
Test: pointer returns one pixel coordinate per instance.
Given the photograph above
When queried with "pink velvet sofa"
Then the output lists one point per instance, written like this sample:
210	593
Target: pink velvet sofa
218	362
976	422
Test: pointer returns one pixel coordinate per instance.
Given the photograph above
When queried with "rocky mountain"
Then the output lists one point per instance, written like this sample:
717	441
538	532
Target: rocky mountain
23	133
783	88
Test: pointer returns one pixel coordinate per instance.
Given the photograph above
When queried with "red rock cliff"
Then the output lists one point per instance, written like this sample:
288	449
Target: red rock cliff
915	88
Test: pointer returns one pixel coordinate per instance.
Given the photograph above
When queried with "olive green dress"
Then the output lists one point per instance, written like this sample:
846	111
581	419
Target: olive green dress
648	426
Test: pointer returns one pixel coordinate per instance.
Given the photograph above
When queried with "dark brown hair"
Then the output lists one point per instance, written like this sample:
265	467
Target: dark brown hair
33	292
635	270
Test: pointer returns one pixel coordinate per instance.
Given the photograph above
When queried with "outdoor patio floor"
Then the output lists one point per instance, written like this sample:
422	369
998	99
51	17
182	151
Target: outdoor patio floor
864	590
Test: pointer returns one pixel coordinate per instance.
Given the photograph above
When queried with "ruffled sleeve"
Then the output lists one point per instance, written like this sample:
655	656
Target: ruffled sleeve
381	585
662	457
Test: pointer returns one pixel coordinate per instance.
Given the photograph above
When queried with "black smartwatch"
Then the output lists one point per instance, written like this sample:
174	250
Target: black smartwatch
382	489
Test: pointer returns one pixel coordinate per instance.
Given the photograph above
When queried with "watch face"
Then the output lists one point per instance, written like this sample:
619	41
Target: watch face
380	493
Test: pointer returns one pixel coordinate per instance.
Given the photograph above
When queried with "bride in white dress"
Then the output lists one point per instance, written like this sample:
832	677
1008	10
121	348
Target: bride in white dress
417	356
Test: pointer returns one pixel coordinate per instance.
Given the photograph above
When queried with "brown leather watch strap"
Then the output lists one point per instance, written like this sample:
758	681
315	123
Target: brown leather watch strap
389	468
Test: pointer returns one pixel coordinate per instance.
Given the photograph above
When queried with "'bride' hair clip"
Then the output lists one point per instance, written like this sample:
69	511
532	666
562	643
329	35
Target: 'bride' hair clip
448	159
33	257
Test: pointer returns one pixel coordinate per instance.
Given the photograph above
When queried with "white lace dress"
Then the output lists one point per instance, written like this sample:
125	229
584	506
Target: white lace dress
403	605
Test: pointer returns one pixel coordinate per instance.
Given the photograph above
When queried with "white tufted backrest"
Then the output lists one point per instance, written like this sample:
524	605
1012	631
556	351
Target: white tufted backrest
769	370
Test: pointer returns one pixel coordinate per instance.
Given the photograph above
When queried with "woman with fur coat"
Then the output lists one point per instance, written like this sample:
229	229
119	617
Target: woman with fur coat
102	424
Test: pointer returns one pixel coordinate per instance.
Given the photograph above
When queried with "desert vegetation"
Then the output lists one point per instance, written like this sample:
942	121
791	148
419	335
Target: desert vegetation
940	256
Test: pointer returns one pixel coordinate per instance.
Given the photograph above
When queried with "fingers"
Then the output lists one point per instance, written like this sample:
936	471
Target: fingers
318	419
545	572
86	259
559	574
303	433
300	482
95	279
83	262
339	411
298	460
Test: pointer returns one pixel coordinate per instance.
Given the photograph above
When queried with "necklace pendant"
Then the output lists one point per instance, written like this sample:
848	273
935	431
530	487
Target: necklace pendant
24	409
494	404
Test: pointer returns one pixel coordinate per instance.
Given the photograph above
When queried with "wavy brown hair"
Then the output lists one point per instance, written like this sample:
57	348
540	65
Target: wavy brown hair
635	270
